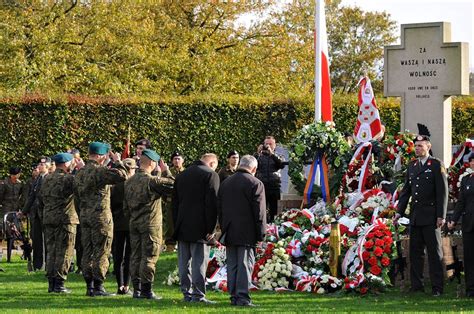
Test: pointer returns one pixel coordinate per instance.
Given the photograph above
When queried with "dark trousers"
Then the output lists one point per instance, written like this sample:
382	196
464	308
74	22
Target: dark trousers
39	248
121	254
9	249
240	262
192	266
272	197
78	247
468	243
429	237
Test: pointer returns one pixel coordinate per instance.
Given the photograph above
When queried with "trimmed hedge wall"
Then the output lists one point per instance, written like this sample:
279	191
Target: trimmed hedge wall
32	126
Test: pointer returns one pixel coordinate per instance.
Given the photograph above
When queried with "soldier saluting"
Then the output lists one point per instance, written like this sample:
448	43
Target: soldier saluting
92	191
60	222
143	193
427	186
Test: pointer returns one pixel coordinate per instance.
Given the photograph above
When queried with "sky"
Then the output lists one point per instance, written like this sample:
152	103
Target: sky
458	12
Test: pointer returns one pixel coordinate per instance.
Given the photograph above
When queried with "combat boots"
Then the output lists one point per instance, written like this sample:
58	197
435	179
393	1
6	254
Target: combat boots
147	292
59	286
136	288
89	287
99	290
51	282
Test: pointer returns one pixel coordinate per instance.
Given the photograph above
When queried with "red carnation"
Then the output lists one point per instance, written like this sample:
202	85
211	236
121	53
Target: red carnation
388	240
387	249
346	280
379	242
370	235
347	286
372	261
388	232
365	255
399	142
309	248
378	251
369	244
378	234
376	270
363	290
385	261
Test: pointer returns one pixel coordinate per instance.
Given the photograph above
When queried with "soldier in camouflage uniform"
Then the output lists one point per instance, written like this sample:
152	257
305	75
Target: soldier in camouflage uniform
92	190
11	199
60	221
168	226
142	204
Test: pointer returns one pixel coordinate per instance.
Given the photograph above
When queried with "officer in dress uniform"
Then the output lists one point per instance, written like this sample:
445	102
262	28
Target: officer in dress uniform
427	186
465	208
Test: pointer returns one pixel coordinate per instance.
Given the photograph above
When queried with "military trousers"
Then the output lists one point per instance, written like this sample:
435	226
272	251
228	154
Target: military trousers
468	247
96	241
145	242
38	243
60	245
168	224
429	237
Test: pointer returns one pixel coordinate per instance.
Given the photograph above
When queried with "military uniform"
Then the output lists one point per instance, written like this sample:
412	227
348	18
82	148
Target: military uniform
427	186
142	204
168	226
11	199
225	172
33	208
60	221
465	208
92	188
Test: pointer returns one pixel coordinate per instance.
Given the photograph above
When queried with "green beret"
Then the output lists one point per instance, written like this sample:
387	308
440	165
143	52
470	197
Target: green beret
62	158
99	148
151	154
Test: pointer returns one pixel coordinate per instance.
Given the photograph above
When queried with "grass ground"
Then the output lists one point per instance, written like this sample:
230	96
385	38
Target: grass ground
21	291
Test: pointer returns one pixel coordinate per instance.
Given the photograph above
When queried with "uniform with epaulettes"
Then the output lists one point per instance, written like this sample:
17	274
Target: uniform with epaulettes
427	186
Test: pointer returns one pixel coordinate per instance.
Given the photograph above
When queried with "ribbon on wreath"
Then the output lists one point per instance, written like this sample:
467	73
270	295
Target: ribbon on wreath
364	170
460	153
320	163
306	283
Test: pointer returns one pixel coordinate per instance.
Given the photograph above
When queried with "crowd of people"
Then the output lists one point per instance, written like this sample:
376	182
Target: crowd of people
138	207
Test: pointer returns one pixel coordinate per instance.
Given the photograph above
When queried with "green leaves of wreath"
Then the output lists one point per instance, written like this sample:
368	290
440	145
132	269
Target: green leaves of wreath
303	148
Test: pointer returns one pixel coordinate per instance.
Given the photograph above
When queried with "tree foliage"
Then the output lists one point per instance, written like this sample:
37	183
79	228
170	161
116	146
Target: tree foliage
181	47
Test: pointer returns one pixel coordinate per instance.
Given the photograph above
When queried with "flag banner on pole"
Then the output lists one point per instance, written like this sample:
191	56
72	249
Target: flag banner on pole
364	171
368	126
323	97
469	144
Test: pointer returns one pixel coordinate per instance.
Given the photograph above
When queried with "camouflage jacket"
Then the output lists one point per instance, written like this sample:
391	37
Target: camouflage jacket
92	190
143	193
11	195
58	199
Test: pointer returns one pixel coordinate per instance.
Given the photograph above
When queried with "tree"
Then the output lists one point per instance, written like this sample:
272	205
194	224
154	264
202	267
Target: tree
181	47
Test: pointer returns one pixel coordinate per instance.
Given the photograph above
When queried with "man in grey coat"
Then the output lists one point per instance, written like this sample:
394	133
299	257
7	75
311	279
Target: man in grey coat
242	216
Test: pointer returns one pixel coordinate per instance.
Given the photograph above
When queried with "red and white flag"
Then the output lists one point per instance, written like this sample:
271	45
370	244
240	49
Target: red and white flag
323	99
368	126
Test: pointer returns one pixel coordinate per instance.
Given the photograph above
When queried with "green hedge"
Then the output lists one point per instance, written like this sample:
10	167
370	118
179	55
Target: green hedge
32	126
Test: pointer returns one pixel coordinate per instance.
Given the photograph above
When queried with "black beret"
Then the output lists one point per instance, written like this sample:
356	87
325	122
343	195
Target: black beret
175	154
422	138
14	170
44	159
145	142
232	153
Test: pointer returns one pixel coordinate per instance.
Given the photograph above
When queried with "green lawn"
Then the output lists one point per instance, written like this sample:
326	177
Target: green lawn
21	292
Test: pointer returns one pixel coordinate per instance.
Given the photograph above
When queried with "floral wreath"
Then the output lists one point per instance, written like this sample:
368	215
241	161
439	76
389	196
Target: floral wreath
399	151
310	140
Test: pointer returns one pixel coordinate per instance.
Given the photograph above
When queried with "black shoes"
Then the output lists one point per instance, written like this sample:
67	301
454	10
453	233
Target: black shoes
99	290
147	292
51	282
59	286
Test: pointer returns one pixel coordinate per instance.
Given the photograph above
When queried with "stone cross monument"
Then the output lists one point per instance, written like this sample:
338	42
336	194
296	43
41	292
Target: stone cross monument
425	70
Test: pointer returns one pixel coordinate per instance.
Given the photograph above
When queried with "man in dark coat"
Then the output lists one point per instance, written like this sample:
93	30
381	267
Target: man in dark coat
465	208
242	216
34	209
195	217
427	186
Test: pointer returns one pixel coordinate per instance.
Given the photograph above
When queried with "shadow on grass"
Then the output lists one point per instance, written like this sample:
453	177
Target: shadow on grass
20	291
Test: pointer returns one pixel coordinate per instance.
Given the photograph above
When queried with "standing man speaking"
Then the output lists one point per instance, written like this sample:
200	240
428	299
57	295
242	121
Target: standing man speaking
427	186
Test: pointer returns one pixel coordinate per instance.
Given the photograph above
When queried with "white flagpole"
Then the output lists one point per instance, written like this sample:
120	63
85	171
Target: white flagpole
317	63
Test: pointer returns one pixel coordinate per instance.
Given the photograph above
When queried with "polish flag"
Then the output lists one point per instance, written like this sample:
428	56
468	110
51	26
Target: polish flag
323	99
